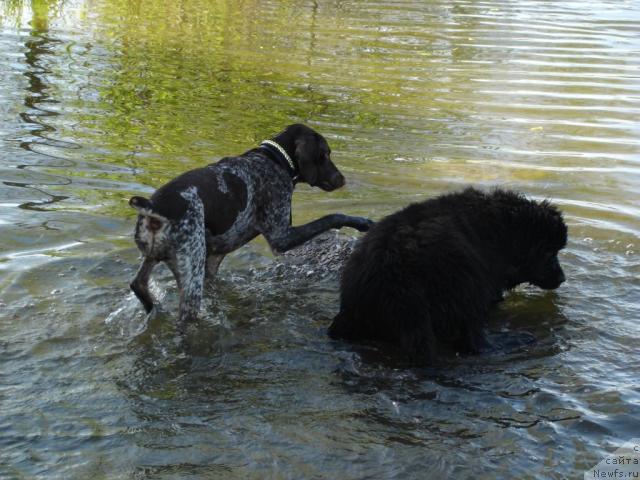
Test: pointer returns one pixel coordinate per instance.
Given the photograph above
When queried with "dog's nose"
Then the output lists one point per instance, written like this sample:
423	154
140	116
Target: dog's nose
337	180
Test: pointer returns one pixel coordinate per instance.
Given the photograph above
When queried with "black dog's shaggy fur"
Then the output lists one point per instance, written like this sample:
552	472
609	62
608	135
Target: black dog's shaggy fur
425	278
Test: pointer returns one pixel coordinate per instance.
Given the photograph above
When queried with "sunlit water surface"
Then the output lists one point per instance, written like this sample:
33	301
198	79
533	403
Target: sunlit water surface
102	99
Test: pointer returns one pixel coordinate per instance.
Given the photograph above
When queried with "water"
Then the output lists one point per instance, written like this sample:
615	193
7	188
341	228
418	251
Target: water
102	99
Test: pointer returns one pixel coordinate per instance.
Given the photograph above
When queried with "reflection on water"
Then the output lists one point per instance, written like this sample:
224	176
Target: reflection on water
102	99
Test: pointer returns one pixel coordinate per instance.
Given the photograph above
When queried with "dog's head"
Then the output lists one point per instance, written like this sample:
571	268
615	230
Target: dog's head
311	155
544	268
539	233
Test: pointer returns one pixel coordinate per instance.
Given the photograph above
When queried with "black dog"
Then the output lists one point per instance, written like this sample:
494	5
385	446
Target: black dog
425	278
200	216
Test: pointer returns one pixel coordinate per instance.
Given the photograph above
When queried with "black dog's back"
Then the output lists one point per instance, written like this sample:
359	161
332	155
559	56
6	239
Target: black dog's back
425	277
399	279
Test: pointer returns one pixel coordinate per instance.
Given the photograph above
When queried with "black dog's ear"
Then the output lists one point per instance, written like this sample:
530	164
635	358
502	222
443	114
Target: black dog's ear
306	156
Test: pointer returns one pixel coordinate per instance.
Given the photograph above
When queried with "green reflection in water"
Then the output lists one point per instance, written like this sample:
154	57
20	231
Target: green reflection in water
182	84
190	78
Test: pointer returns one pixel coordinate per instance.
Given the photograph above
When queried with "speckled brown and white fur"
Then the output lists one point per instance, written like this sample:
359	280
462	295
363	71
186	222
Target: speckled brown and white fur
193	221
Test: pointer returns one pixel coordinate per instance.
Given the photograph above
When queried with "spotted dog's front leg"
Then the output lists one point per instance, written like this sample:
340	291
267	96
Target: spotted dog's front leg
188	262
287	237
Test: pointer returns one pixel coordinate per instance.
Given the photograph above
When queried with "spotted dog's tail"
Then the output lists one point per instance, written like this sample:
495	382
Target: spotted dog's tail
145	207
151	229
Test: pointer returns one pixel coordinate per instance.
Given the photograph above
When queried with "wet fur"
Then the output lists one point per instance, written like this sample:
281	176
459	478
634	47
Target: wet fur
426	277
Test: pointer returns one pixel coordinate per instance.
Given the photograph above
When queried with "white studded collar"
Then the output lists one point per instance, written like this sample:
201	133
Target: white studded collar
282	152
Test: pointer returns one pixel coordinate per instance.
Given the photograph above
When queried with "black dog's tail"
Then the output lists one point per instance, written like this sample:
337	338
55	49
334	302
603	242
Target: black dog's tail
145	207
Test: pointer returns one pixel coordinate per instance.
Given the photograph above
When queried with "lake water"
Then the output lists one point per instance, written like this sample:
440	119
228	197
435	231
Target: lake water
103	99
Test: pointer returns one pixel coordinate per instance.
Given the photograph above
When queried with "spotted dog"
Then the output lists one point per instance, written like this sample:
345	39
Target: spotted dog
197	218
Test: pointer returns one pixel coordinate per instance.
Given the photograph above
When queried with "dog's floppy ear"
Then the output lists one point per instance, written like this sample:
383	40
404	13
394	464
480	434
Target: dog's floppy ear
306	156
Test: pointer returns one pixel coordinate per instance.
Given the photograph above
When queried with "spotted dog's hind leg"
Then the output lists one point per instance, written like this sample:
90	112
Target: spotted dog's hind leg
213	264
188	268
140	284
189	257
151	235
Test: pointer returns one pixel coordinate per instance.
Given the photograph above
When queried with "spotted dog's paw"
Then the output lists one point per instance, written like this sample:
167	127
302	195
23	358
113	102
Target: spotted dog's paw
363	224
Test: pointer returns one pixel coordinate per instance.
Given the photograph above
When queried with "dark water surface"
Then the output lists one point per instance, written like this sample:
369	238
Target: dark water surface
102	99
